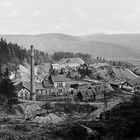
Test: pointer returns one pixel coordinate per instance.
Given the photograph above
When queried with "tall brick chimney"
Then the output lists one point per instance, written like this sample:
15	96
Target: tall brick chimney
33	94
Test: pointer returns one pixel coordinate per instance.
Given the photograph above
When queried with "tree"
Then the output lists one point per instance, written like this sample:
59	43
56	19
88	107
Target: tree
8	95
84	70
51	69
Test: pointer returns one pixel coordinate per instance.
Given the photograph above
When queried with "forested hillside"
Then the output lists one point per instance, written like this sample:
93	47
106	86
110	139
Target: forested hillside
56	56
12	55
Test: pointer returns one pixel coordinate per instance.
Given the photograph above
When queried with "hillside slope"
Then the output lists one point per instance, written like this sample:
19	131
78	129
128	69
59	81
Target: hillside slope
24	40
98	45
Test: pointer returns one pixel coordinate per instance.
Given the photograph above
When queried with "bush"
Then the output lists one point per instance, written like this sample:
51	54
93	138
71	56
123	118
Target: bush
75	131
22	128
124	120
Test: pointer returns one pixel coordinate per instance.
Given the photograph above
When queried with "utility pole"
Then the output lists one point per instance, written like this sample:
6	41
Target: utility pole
33	94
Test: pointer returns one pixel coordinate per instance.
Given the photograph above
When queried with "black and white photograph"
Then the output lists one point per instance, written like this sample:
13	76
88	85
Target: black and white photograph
69	69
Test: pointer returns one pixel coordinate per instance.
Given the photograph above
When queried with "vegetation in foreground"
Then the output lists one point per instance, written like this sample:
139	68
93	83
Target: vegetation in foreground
8	95
120	123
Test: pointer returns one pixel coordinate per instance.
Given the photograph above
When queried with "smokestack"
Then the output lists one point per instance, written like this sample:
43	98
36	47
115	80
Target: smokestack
33	94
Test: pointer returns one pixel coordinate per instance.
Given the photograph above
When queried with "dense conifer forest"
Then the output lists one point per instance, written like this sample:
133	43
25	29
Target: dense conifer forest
12	55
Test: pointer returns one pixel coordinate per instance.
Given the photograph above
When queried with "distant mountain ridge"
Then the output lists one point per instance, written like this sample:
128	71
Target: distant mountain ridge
129	40
108	46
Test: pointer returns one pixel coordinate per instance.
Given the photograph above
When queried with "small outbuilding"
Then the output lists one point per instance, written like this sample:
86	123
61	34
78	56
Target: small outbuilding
131	85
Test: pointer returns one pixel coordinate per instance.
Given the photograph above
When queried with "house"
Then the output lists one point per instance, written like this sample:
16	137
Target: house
84	92
131	85
23	90
96	85
88	93
91	91
60	83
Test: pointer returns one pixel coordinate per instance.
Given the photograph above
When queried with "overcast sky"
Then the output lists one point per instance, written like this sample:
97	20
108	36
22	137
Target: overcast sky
75	17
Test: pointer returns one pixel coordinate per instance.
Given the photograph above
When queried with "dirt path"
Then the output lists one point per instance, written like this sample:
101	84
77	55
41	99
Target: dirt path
96	114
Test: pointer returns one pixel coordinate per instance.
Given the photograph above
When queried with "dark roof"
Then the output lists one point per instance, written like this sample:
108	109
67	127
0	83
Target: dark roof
60	78
117	83
19	86
47	83
39	85
49	79
134	82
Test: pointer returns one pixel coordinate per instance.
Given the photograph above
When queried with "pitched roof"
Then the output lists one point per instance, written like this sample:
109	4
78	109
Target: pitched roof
134	82
113	82
124	73
19	86
39	85
47	83
60	78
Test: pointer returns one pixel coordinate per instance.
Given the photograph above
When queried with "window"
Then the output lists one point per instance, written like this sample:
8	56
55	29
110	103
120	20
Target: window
60	85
